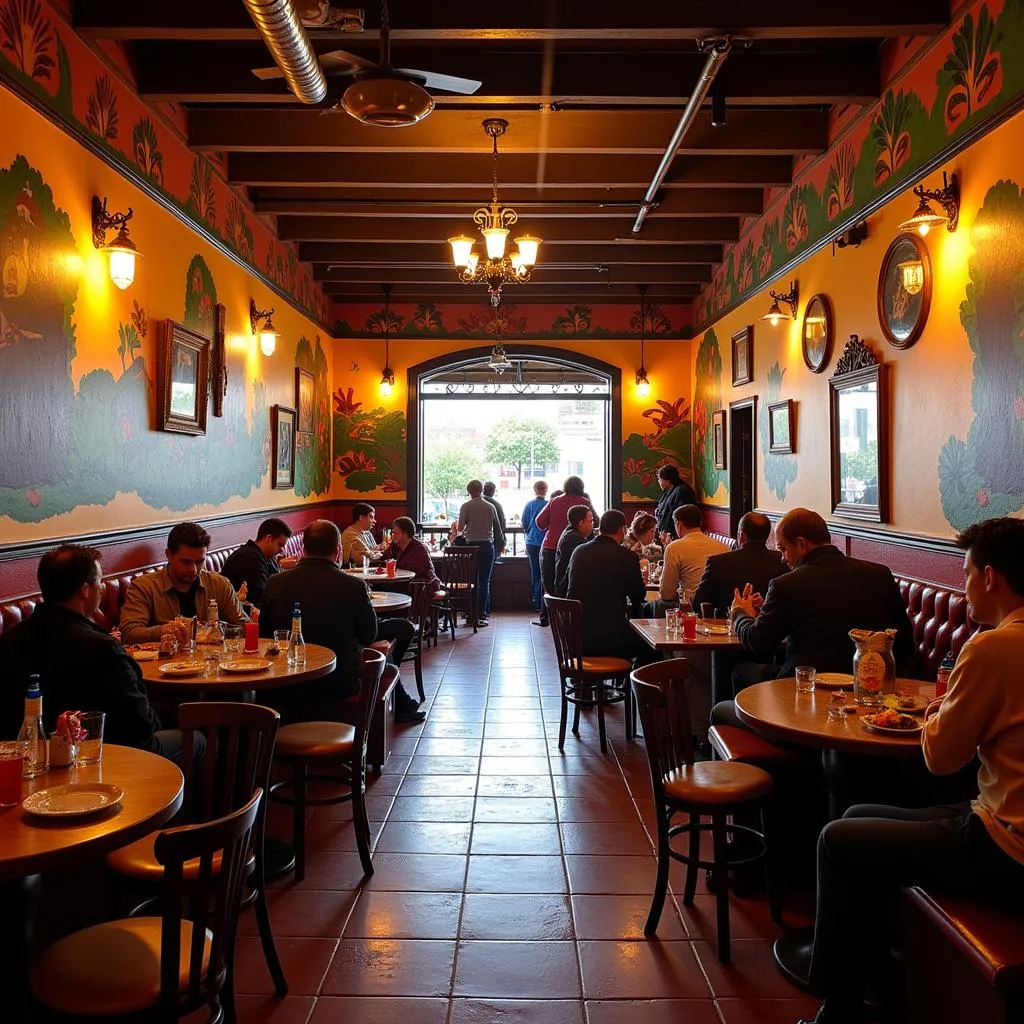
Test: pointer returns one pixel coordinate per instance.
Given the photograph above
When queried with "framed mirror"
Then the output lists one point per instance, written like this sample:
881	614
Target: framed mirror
904	290
183	379
859	435
816	335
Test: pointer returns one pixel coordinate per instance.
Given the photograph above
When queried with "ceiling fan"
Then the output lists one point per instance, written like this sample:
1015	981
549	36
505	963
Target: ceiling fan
381	94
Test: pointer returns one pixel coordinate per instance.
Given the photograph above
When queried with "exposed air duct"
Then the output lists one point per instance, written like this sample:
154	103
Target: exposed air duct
719	51
282	31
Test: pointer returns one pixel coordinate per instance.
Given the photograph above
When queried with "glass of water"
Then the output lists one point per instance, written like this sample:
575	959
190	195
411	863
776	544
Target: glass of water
90	745
234	637
837	706
805	679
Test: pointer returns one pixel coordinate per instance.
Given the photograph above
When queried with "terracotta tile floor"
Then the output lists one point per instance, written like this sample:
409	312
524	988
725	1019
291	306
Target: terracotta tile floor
511	881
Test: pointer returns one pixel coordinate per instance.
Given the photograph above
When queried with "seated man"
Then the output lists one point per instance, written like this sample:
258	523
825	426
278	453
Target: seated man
257	560
973	849
358	540
686	557
579	531
605	578
80	667
412	554
336	613
183	587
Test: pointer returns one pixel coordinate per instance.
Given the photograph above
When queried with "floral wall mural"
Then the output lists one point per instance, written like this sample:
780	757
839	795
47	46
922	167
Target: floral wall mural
669	440
710	483
369	445
930	103
313	450
779	470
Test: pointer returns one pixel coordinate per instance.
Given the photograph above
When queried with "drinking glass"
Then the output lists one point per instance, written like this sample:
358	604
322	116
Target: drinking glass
12	761
234	637
689	625
90	746
707	610
279	642
837	706
211	661
804	679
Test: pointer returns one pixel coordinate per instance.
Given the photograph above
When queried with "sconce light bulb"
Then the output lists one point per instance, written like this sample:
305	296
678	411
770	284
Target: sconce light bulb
643	388
923	229
268	342
122	268
774	321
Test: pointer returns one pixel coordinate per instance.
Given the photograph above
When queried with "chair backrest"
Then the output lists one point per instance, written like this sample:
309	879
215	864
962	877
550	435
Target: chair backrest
458	567
419	613
211	902
369	686
566	618
661	697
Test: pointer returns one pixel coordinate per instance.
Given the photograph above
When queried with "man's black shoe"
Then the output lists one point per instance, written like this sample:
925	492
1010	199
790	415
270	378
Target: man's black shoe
411	716
481	623
539	622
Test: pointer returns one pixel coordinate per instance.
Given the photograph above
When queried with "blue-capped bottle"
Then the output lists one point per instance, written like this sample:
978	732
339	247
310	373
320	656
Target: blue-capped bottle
943	674
296	645
33	733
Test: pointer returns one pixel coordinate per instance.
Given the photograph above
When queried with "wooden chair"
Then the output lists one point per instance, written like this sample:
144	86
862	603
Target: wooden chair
420	617
239	749
458	577
711	789
306	743
586	681
162	968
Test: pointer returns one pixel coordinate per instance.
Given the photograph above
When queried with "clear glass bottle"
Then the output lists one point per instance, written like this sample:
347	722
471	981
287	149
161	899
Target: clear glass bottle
296	645
33	734
874	670
212	612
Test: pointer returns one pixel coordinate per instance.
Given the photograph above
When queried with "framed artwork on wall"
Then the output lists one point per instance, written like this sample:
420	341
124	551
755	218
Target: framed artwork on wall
304	399
781	432
718	438
743	356
183	375
904	290
282	436
816	333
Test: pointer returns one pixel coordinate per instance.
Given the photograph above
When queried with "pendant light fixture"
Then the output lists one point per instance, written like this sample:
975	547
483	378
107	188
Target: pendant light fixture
643	385
387	377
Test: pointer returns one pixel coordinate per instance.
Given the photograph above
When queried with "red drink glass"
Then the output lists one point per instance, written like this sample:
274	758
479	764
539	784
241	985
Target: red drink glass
12	763
689	625
392	565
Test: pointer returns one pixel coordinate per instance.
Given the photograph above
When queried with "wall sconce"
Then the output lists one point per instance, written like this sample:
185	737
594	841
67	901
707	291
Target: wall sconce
387	377
643	385
268	333
775	314
122	250
925	218
912	274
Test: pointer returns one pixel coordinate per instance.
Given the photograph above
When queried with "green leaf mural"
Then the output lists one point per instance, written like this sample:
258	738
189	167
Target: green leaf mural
779	470
28	38
202	199
369	446
711	483
101	110
575	320
983	476
976	69
313	451
146	150
644	454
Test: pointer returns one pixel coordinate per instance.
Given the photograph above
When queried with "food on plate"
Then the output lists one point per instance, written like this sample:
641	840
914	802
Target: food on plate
890	719
908	702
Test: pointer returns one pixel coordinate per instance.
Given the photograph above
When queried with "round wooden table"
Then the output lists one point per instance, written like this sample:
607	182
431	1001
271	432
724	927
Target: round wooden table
152	795
320	661
401	575
777	712
386	601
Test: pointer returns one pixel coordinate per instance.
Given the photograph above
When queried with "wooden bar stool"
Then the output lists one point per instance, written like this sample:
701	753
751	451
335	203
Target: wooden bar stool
698	789
340	745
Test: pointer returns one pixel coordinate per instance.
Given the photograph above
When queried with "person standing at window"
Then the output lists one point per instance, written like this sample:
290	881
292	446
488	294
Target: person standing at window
534	537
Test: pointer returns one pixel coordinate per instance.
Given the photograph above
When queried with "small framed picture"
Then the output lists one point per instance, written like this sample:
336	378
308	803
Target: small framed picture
183	376
305	399
718	438
282	460
743	356
781	439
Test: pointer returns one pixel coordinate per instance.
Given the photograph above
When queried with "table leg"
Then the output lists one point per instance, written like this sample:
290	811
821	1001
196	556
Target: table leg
19	898
791	952
278	858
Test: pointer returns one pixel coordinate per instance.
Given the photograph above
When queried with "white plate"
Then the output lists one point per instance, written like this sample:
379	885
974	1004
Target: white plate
246	665
833	680
890	731
182	668
920	705
713	630
73	799
145	655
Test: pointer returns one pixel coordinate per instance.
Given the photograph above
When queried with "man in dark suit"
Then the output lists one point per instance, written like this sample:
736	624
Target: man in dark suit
676	492
579	530
336	613
257	560
754	563
605	578
814	607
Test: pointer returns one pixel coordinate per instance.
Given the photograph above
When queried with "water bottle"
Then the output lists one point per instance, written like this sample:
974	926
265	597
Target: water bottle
33	734
943	674
296	645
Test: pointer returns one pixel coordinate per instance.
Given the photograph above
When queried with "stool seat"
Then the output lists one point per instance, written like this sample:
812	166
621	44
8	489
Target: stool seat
606	666
315	739
734	744
138	860
109	969
717	783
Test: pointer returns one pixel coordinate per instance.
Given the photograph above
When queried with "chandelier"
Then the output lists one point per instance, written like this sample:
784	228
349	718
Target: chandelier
496	268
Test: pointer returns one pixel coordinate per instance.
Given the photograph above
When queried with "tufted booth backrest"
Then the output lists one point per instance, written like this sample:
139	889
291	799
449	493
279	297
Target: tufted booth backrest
939	619
724	538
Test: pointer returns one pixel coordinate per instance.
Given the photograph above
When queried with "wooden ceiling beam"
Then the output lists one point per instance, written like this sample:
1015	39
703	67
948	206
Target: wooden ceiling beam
552	275
442	171
535	291
554	252
704	202
847	74
626	132
338	229
530	19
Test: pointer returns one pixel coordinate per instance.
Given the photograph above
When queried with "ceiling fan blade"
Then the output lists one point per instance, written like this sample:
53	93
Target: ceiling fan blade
448	83
341	62
265	74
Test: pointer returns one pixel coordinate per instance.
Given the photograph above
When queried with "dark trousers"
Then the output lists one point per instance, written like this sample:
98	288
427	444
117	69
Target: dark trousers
547	570
536	577
399	630
864	859
168	743
484	567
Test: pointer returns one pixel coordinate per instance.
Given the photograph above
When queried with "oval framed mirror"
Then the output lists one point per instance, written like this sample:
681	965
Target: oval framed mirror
816	333
904	290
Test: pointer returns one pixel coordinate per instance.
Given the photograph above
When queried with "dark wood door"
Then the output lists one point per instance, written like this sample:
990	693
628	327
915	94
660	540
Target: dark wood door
742	456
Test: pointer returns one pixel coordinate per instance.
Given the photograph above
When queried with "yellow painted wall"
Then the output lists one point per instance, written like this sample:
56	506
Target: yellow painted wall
931	382
133	453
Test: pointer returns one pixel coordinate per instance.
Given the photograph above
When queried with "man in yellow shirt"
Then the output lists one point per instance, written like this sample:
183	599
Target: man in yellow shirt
974	849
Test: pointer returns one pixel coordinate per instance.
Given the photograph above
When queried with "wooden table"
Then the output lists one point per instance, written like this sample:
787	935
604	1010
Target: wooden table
386	601
152	795
401	575
777	712
320	661
655	634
